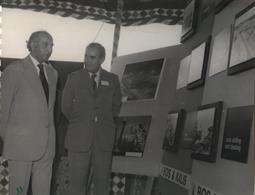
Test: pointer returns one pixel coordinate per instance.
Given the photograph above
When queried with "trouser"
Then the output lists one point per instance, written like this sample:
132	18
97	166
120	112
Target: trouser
39	171
80	164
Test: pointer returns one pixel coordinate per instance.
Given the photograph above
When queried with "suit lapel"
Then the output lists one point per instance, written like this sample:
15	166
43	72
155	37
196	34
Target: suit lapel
103	79
86	79
31	75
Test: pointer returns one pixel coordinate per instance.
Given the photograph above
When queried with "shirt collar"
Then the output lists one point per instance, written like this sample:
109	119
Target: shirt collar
97	73
35	62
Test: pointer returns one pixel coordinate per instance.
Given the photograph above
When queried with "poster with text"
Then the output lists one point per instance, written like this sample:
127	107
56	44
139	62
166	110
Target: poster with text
237	133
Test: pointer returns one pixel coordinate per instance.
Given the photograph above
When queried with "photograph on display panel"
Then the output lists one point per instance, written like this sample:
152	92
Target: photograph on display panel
220	51
174	125
207	132
140	80
189	20
198	64
236	136
242	50
183	72
131	135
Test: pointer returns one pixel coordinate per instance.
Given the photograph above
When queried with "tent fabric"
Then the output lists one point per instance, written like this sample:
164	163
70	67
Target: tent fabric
136	13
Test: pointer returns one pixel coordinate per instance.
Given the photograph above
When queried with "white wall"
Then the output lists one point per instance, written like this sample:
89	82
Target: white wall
71	35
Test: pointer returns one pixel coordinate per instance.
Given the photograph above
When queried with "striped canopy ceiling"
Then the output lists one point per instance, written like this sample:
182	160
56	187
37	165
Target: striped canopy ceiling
133	12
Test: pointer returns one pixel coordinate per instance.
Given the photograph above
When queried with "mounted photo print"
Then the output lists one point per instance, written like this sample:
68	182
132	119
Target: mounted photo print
131	135
242	49
198	64
207	132
237	130
183	72
189	20
220	51
174	125
140	80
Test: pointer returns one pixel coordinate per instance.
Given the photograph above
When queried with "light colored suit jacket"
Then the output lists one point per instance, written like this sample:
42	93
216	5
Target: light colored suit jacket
81	104
27	125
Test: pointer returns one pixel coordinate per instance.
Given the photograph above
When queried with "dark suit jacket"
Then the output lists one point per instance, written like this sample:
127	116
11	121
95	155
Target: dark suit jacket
80	104
27	125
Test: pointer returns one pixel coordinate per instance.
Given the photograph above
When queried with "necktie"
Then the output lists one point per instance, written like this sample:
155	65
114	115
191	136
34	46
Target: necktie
93	77
44	81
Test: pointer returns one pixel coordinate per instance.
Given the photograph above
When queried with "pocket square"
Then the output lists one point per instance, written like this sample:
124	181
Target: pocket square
105	83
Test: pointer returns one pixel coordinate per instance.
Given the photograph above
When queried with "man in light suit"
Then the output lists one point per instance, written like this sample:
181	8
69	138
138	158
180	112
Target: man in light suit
27	125
91	99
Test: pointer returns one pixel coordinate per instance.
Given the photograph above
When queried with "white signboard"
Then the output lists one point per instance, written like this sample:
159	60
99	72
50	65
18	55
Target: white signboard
203	190
178	177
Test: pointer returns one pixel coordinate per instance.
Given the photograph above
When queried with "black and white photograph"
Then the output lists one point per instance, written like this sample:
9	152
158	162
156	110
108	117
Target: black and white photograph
198	64
140	80
207	132
127	97
174	125
131	135
183	72
189	20
220	52
236	138
242	51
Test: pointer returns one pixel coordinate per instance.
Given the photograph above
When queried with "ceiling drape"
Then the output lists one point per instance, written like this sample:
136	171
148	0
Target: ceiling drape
135	12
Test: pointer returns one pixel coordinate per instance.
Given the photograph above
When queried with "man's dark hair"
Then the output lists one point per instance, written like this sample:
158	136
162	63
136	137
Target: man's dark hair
100	48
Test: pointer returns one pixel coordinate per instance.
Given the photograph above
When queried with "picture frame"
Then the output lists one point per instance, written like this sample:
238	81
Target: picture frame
173	131
236	137
219	52
220	5
183	72
198	64
141	80
206	134
242	48
190	17
131	135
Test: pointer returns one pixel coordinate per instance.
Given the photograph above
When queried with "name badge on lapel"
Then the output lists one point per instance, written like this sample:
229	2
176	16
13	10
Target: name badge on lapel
105	83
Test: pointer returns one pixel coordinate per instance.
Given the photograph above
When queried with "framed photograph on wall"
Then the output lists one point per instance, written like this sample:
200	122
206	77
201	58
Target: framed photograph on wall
190	16
131	135
183	72
207	132
140	80
242	49
236	136
220	51
198	64
174	126
220	5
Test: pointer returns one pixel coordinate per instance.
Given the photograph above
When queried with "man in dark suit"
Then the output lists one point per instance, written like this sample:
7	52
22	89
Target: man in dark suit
91	99
27	125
